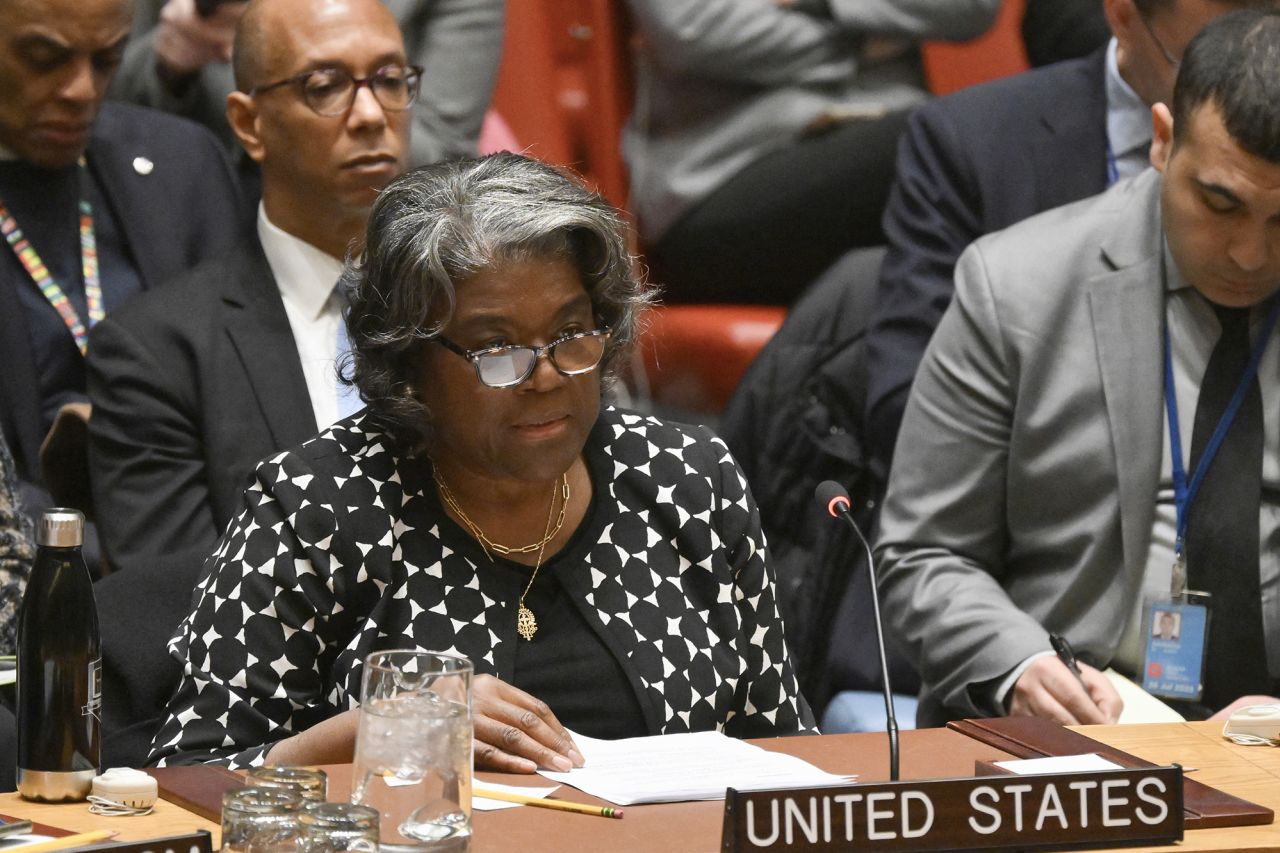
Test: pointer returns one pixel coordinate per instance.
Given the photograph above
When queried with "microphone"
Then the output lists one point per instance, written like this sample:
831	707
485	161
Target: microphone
835	500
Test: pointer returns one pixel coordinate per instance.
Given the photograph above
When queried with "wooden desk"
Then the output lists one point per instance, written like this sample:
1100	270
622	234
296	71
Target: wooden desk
167	819
1250	772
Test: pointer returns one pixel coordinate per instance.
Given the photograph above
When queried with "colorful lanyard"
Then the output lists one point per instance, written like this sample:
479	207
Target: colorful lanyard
1184	492
40	274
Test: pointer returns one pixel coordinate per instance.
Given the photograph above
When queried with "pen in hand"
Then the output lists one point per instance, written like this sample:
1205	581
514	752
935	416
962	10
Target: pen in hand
1067	655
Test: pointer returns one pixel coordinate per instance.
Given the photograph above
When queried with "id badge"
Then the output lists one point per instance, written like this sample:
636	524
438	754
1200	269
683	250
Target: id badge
1177	634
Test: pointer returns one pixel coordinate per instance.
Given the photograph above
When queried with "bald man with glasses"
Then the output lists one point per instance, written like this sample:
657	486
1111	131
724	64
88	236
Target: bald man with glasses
237	359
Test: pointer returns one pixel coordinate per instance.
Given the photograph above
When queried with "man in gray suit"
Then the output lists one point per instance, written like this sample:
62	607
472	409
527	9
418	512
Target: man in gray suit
1030	493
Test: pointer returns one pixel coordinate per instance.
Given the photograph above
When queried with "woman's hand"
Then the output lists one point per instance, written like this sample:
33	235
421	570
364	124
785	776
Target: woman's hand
516	733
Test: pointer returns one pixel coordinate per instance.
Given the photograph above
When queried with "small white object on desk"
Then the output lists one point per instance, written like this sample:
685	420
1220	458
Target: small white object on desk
1254	725
1090	762
123	791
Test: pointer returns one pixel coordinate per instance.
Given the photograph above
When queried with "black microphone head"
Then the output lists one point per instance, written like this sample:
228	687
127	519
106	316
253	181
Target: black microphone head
833	497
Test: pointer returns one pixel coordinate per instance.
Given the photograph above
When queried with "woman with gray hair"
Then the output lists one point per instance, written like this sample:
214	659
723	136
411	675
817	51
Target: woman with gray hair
604	571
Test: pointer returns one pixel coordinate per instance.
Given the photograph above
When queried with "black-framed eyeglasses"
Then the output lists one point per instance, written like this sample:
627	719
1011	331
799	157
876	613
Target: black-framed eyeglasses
332	91
1173	61
507	366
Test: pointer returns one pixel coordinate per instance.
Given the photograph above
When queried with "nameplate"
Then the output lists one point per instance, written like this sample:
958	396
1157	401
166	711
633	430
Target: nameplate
1096	809
196	842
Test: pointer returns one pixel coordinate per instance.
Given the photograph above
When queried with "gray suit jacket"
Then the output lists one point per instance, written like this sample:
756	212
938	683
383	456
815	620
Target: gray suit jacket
1022	494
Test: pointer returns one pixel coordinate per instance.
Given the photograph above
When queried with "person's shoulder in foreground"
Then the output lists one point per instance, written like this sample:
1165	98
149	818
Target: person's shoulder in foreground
17	551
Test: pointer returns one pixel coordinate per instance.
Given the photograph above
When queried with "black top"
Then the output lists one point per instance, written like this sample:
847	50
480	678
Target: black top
565	653
342	549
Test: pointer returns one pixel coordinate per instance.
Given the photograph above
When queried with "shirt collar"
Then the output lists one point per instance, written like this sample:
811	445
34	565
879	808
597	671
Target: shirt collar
305	275
1128	118
1173	280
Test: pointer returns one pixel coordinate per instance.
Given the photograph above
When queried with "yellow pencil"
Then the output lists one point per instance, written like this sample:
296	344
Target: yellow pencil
80	839
540	802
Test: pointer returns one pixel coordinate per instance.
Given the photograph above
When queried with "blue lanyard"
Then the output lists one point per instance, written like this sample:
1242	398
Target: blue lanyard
1183	492
1113	168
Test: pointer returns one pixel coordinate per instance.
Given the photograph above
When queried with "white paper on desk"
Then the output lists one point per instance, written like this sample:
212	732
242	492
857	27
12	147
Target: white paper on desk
484	804
1090	762
691	766
1139	705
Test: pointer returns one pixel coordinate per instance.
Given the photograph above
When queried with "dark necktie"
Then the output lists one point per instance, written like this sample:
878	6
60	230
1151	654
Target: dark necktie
1222	530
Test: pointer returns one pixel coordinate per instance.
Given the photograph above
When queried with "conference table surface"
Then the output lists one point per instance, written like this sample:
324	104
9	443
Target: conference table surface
1249	772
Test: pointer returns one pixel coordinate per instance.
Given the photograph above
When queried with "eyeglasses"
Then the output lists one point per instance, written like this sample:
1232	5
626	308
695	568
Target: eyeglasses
332	91
1173	61
506	366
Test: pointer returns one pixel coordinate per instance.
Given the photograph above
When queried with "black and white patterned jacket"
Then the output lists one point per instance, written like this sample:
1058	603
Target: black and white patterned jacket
342	549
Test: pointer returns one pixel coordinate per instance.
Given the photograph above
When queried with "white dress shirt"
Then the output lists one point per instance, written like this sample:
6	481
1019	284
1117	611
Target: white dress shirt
1128	122
307	278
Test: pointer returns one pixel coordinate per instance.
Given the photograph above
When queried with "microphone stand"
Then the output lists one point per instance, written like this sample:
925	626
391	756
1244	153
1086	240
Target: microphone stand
838	505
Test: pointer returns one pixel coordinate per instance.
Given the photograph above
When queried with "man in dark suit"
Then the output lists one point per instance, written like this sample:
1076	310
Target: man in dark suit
193	384
144	194
987	157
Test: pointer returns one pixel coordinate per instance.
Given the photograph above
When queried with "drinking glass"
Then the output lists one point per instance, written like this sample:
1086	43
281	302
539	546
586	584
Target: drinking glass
311	782
413	749
337	828
260	820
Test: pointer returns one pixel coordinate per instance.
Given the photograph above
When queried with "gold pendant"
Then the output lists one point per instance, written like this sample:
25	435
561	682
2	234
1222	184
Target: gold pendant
526	625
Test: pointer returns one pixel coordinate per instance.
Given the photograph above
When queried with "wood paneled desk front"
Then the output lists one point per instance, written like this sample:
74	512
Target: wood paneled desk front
1249	772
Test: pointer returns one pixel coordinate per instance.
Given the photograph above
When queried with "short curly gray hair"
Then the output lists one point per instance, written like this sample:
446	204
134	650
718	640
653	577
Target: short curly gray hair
437	226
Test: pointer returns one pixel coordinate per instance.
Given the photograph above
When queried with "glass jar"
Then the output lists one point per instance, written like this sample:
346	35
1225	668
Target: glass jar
337	827
261	820
311	782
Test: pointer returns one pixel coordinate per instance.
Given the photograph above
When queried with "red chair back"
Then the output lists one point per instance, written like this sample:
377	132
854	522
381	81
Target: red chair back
694	355
997	53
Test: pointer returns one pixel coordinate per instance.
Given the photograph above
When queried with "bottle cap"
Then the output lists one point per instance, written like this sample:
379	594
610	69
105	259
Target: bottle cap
61	528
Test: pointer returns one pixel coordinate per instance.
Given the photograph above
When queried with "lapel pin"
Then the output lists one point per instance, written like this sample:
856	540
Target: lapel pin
142	165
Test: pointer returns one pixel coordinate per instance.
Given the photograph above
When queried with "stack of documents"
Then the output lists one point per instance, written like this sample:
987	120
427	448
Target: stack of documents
674	768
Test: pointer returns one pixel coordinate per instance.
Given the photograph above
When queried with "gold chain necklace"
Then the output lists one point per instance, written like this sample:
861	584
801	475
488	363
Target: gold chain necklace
526	624
488	544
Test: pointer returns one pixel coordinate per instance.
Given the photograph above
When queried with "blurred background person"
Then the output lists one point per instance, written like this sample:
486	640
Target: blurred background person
762	141
603	570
